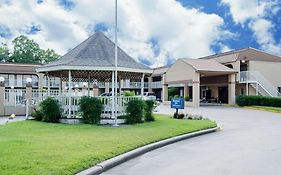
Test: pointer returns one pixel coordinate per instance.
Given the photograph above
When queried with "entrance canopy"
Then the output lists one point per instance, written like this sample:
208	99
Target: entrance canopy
94	58
197	72
184	70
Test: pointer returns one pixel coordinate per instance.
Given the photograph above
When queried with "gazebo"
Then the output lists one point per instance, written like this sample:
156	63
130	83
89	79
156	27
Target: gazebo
92	62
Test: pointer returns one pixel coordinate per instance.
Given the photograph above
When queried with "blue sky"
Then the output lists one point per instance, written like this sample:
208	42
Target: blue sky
153	32
246	38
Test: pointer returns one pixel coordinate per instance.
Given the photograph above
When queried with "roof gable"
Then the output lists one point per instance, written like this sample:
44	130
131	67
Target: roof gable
207	65
96	51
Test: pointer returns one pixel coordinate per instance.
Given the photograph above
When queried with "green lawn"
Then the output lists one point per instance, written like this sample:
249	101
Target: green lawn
268	108
31	147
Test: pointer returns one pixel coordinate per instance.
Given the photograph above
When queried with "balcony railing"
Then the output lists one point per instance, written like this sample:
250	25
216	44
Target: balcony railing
156	85
257	78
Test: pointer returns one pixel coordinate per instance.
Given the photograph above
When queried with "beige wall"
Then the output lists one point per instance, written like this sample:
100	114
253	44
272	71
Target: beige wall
227	58
180	71
270	70
238	89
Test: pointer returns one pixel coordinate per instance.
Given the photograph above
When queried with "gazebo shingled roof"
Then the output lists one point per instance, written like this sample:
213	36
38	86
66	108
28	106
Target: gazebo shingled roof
95	57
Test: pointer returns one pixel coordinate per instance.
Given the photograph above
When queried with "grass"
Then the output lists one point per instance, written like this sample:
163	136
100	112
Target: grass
31	147
266	108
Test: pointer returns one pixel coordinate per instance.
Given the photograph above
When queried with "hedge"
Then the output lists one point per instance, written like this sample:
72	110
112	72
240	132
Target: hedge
50	109
258	101
135	111
91	109
149	105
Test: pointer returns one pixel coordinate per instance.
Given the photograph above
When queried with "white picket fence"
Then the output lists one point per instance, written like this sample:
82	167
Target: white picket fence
74	105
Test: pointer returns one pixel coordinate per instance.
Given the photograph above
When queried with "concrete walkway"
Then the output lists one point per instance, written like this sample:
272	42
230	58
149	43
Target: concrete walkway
250	144
5	119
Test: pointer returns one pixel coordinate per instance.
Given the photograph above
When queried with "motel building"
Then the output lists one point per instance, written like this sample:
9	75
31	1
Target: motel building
89	67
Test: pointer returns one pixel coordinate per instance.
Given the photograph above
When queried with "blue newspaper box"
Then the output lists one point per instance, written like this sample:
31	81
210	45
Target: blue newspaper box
177	103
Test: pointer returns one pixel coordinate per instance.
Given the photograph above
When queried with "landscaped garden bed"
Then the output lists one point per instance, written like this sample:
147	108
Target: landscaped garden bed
32	147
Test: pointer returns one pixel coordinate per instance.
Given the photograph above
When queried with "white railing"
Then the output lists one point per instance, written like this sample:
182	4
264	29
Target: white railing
44	93
156	84
258	78
15	97
74	105
137	85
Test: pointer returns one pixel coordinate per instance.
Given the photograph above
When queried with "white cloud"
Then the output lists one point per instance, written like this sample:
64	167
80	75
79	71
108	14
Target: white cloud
256	15
263	32
180	32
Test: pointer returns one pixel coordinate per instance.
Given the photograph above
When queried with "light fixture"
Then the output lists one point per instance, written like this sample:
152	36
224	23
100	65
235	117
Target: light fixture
29	80
2	79
76	86
244	60
66	88
12	87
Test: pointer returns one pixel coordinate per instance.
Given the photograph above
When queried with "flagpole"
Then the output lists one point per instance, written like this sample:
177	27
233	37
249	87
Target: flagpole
116	58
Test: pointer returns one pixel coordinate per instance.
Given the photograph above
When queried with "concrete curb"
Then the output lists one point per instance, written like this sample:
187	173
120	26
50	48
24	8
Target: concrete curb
110	163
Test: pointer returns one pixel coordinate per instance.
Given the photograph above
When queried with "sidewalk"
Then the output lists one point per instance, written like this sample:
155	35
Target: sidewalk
5	119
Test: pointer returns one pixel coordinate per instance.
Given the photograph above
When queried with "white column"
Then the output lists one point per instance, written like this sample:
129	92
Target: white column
89	79
149	84
231	89
247	89
48	77
69	93
165	88
112	95
186	90
106	84
142	85
196	90
60	85
2	98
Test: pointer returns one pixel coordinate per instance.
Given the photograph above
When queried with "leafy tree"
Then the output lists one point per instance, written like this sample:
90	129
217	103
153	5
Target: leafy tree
28	51
49	55
4	53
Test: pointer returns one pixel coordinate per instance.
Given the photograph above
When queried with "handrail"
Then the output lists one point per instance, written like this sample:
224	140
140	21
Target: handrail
257	77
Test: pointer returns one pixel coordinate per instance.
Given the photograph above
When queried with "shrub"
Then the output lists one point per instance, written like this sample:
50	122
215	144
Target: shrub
37	115
181	116
258	101
91	109
135	111
186	98
178	115
129	93
50	109
149	105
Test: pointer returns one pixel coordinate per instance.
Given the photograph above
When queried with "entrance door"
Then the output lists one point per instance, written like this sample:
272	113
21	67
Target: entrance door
223	94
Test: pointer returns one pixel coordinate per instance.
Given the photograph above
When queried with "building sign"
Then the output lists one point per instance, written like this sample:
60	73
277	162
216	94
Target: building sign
177	103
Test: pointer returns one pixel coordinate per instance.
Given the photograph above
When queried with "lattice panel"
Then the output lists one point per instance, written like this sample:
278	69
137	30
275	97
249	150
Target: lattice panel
95	76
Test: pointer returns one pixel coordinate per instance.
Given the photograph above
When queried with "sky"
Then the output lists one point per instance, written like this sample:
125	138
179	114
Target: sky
154	32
